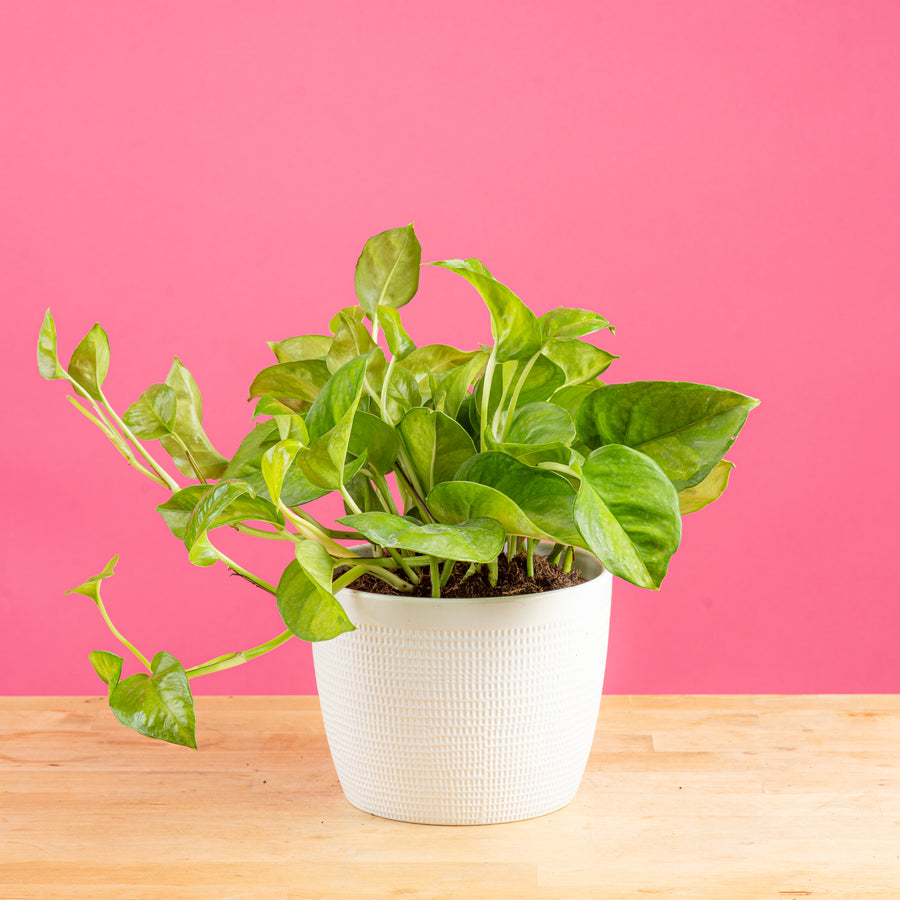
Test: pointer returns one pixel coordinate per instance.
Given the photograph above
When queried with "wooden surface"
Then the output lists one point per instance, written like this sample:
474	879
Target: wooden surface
689	797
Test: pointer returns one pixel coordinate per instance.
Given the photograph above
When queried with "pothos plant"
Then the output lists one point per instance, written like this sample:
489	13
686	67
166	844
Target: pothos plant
441	456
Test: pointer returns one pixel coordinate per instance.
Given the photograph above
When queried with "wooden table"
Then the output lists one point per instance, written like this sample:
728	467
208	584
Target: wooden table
688	797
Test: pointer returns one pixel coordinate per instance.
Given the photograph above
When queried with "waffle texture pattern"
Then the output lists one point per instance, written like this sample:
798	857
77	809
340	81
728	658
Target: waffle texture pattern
461	712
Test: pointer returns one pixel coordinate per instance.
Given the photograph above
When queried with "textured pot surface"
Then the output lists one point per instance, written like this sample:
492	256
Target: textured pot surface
465	712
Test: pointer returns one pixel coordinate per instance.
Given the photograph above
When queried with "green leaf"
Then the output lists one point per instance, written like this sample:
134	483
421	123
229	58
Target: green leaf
177	510
205	516
515	327
566	323
246	465
108	666
300	380
91	587
302	347
153	414
330	424
304	597
450	390
387	271
686	428
398	341
188	426
545	498
572	396
435	445
90	362
474	540
159	705
377	439
437	359
540	423
579	361
457	501
276	463
351	340
627	512
711	488
47	356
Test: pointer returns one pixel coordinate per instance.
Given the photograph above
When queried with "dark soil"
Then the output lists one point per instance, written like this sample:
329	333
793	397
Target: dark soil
513	579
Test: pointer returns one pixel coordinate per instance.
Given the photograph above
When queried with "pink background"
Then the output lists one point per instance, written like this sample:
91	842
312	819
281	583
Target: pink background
718	179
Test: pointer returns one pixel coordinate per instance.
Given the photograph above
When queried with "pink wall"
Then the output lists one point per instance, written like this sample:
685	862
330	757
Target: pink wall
718	179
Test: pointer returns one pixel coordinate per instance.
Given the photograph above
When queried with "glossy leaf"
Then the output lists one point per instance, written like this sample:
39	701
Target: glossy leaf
540	423
47	354
304	597
457	501
437	359
450	390
276	462
566	323
351	340
108	667
387	271
91	587
473	540
339	394
399	342
515	327
301	347
627	512
246	465
189	427
579	361
300	380
158	705
90	362
152	415
686	428
572	396
436	445
710	489
375	437
545	498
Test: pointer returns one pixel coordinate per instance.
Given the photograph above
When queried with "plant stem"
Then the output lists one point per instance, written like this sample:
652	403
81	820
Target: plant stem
405	482
493	568
347	578
486	395
435	576
515	397
240	570
235	659
529	556
314	532
190	458
555	553
120	637
349	500
447	571
412	576
567	559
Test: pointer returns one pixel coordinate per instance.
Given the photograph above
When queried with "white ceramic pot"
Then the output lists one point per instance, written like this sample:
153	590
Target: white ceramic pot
466	712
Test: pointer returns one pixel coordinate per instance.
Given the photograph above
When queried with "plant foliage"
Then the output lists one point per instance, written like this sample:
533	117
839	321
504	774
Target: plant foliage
439	454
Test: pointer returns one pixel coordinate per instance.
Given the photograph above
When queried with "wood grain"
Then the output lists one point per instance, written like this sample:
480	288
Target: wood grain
685	797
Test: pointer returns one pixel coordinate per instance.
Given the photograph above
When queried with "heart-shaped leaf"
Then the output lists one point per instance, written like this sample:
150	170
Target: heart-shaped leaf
566	323
351	340
473	540
300	380
515	327
435	445
152	415
159	705
540	423
387	271
304	597
399	342
47	355
276	462
458	501
710	489
189	427
91	587
90	362
627	512
579	361
686	428
545	498
108	666
301	347
375	437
